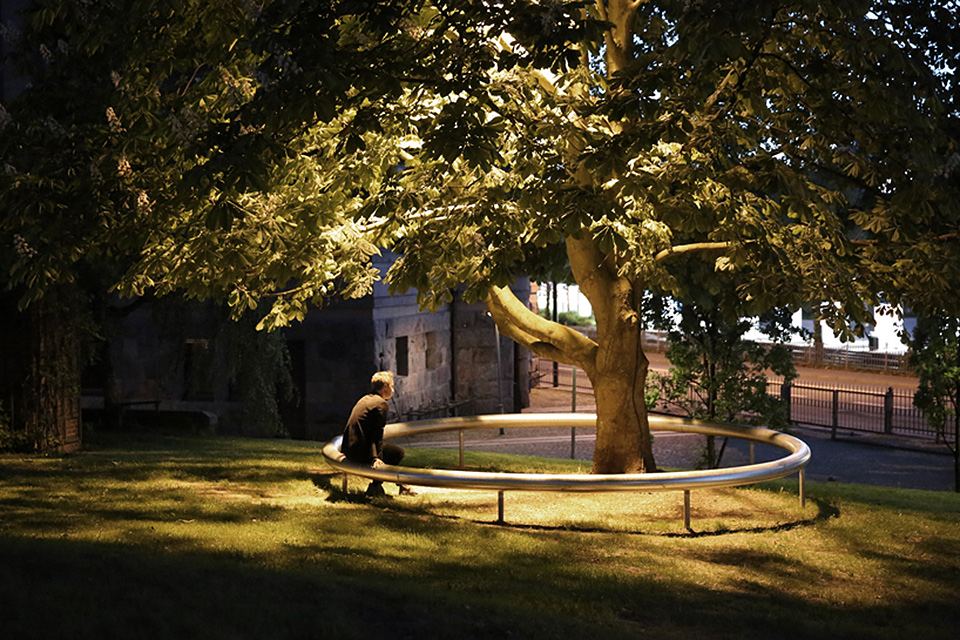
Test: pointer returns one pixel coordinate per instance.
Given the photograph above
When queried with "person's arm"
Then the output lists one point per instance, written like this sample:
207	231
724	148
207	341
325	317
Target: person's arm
376	440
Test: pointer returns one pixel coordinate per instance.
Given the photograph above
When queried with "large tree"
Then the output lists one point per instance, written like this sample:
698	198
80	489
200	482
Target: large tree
805	151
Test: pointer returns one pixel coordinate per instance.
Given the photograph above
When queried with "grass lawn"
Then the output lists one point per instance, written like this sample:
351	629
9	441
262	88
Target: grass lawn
187	537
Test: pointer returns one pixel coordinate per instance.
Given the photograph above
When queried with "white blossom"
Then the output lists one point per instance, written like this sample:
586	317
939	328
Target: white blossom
114	122
23	247
191	122
144	203
227	77
123	167
179	131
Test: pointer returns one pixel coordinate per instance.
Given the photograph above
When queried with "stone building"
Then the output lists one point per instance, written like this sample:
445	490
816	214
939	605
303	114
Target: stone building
159	364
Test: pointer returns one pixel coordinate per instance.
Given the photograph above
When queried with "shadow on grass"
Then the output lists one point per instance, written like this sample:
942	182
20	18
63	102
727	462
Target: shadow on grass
825	511
112	591
331	483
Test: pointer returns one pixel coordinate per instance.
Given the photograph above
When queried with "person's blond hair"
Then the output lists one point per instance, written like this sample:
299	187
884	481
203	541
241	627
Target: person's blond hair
380	380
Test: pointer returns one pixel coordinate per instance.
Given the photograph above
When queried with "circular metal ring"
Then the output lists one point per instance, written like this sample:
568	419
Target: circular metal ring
799	456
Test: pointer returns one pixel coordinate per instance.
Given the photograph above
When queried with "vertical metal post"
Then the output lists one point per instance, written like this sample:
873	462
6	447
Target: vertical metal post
751	452
573	408
786	394
460	436
835	420
344	485
686	509
803	497
573	397
500	507
496	330
556	318
888	411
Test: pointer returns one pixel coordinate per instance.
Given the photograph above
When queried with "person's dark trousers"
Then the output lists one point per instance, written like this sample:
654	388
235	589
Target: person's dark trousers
390	454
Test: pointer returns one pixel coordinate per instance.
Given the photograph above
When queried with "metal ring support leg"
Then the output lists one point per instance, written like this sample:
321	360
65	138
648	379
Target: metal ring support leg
686	509
803	497
500	507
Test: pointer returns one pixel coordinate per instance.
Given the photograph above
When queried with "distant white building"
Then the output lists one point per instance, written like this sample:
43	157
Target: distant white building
883	335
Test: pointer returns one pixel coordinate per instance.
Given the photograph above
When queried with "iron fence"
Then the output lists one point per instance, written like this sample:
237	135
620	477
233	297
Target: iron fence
838	407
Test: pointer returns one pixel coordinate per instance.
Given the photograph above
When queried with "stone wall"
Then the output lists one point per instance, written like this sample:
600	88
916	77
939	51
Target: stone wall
338	360
416	347
444	363
479	384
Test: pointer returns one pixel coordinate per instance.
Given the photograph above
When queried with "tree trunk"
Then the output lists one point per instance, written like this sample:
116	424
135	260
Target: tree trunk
39	379
623	443
616	366
956	431
956	448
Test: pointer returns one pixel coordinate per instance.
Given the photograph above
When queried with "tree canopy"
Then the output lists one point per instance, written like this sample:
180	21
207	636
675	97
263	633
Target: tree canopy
792	151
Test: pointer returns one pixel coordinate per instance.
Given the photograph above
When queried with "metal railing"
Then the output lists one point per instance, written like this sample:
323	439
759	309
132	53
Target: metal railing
837	407
795	462
876	410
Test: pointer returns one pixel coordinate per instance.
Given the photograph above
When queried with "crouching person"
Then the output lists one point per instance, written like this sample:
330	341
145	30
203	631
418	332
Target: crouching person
363	436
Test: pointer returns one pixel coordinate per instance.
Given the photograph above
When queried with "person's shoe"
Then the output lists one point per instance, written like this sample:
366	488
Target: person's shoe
406	491
375	490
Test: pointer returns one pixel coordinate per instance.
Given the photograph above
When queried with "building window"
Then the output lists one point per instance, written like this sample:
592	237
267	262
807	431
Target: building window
403	356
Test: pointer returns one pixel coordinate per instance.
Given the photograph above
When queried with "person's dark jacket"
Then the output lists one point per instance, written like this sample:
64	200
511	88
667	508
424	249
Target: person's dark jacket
363	435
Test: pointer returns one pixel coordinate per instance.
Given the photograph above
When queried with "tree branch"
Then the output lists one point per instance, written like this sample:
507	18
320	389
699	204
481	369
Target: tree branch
589	266
543	337
666	254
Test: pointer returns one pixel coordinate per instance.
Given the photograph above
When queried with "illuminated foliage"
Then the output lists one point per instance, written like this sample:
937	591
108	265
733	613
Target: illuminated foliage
792	151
